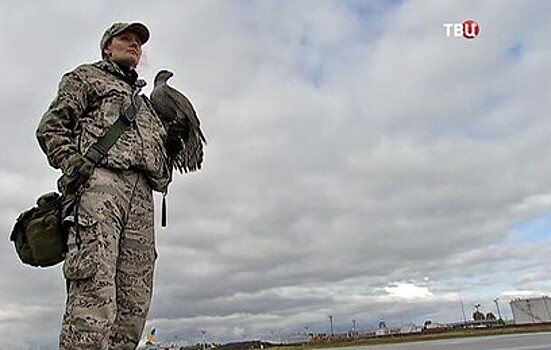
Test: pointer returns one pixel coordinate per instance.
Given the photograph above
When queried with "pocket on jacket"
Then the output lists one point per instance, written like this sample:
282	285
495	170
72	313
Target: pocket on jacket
81	261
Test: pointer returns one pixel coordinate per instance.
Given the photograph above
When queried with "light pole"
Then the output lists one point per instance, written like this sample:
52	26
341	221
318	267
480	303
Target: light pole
204	333
463	311
331	324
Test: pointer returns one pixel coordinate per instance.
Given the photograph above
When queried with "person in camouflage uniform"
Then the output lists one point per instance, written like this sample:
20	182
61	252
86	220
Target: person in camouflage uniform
111	247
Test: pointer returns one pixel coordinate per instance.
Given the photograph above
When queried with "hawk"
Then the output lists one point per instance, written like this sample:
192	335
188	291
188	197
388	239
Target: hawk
176	111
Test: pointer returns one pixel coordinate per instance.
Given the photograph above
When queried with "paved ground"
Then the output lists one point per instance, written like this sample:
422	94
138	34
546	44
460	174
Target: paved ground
537	341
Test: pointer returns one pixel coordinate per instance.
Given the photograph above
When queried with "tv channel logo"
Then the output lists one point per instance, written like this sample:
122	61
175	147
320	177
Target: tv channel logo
468	29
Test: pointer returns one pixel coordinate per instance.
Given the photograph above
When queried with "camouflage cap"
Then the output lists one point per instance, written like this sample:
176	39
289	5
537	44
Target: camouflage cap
117	28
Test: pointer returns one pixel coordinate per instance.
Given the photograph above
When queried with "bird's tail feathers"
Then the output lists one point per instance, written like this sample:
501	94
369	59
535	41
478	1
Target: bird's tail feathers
190	158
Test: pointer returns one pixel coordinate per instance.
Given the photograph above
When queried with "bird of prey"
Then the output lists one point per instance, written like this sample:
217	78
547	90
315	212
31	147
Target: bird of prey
177	113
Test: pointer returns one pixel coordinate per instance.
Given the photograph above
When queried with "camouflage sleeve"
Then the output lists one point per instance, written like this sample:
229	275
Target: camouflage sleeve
161	181
56	132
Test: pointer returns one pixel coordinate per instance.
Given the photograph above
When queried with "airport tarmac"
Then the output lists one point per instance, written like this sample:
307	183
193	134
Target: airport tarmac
530	341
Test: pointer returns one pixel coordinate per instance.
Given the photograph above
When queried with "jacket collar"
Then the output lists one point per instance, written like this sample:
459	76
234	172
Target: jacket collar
131	77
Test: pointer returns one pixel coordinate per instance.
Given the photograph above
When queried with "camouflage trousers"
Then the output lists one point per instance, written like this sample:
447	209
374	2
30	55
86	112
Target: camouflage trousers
110	262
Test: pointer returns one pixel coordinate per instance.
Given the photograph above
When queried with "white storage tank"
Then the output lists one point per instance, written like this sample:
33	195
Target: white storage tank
531	310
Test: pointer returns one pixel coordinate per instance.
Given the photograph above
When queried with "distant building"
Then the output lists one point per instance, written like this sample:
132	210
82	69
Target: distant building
533	310
410	328
432	326
383	329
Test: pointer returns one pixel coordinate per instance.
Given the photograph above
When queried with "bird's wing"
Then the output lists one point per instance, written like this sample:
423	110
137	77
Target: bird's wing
182	103
183	106
163	105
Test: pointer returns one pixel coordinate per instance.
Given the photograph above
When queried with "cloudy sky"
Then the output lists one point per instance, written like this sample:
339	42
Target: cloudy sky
360	163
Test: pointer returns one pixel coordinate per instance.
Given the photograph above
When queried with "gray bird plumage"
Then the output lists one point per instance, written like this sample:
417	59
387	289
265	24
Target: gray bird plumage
175	109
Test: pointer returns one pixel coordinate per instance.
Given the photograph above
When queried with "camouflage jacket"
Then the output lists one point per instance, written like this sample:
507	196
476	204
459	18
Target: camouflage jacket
89	100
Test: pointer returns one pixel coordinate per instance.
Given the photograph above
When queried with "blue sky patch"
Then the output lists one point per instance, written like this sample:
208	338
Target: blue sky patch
515	52
533	231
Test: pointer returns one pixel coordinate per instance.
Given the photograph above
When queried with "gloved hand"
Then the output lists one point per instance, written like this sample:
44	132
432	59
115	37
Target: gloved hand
77	169
177	134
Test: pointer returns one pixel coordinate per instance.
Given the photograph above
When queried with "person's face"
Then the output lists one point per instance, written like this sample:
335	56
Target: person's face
125	49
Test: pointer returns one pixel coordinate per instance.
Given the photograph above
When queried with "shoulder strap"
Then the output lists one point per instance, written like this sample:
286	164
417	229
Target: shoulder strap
99	150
